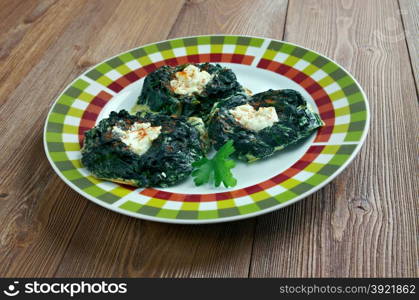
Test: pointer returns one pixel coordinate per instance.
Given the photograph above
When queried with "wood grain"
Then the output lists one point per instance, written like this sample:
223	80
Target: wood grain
38	224
164	250
231	17
365	222
362	224
24	43
409	11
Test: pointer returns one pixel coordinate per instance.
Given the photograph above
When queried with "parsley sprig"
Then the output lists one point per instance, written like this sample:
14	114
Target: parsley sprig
219	168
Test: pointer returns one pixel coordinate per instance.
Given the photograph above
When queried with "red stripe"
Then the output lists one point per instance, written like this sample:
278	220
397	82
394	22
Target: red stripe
172	61
314	87
216	57
150	68
253	189
193	198
300	77
315	149
328	115
322	100
300	165
325	130
131	76
98	102
163	195
194	58
279	178
263	63
223	196
114	86
282	69
237	58
87	115
82	130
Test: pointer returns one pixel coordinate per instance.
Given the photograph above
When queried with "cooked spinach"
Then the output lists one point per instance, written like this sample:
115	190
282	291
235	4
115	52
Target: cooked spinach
167	162
191	124
158	96
296	122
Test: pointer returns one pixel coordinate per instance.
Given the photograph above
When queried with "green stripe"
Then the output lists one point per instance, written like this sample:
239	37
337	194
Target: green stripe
187	214
228	212
267	203
190	211
130	206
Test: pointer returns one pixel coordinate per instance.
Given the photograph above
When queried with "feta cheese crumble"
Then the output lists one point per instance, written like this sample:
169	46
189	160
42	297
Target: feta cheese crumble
138	137
252	119
190	80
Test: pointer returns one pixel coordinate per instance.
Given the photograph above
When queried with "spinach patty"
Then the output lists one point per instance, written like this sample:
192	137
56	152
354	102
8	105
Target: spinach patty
159	94
294	122
166	162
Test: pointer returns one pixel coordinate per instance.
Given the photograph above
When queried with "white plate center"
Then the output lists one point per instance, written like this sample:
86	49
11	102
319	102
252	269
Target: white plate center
257	80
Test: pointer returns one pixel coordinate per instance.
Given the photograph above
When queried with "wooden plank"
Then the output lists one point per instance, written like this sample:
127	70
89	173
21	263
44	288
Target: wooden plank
108	244
134	23
364	223
409	10
258	18
26	34
38	212
12	15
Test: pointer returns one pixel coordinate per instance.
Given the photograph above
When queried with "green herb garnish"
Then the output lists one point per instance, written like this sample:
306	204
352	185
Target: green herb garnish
219	168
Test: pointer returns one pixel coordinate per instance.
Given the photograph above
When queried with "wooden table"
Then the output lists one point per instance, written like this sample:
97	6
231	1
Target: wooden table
364	223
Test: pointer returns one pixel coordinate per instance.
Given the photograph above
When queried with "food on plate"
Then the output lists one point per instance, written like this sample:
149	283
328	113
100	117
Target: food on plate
182	112
144	150
262	124
187	90
217	169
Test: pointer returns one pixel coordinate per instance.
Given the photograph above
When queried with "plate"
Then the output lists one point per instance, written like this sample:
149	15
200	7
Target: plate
264	186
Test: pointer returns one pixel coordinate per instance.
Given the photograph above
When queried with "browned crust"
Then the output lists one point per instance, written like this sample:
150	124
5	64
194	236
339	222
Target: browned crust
119	180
